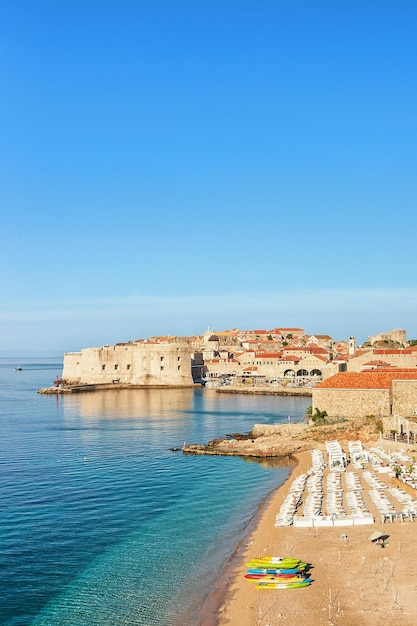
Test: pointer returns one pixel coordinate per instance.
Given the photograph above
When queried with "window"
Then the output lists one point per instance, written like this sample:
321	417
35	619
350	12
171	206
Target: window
179	358
179	367
162	367
103	367
162	359
116	367
128	366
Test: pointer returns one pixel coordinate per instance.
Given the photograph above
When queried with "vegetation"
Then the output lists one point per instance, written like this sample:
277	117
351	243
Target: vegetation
371	420
319	417
398	470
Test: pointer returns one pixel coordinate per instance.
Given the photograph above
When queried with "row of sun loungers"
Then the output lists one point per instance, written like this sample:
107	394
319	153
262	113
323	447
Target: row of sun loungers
343	504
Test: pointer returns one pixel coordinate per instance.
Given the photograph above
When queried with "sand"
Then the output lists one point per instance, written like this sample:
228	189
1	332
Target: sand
355	583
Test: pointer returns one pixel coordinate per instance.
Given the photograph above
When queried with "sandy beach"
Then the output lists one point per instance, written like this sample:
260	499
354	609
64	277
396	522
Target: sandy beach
355	583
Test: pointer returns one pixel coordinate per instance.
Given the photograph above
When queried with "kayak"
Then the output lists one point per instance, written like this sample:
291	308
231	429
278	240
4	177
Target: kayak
276	570
267	576
276	560
305	583
282	565
257	565
276	579
267	565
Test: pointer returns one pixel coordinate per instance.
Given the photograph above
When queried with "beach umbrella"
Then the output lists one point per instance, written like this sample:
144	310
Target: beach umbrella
376	535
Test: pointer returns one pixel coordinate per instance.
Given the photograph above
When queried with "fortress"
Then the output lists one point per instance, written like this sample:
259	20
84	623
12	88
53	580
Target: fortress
134	364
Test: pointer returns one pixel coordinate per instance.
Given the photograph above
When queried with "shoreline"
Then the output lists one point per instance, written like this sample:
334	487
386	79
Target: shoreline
212	606
354	583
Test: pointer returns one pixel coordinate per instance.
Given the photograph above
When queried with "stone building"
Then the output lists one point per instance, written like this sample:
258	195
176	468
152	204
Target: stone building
397	336
136	364
395	357
373	392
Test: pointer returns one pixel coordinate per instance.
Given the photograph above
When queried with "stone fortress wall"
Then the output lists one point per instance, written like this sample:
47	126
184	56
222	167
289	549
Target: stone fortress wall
399	399
352	402
147	364
398	335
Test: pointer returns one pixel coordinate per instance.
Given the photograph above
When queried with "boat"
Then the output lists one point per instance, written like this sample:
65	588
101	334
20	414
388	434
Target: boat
274	563
277	570
304	583
278	578
18	368
276	559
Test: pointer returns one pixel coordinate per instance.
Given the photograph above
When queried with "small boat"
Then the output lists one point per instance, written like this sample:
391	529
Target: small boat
18	368
276	559
304	583
278	578
276	570
274	563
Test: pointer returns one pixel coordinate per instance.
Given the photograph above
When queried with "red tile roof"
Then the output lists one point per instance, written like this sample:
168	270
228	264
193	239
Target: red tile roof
382	351
377	364
372	379
268	355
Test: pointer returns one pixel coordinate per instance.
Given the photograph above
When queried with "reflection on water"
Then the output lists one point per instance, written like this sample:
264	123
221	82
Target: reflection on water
163	403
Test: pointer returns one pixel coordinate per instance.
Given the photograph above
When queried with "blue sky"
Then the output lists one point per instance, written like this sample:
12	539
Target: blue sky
166	167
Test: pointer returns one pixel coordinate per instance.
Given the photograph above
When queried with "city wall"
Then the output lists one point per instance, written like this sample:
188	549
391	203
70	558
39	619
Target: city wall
156	364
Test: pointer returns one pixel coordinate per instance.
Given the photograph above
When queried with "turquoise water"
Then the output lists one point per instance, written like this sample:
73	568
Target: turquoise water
100	522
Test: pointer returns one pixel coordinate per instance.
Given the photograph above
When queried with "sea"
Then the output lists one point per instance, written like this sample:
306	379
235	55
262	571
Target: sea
101	522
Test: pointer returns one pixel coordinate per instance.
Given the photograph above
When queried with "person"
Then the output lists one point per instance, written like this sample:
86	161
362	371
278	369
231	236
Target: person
380	542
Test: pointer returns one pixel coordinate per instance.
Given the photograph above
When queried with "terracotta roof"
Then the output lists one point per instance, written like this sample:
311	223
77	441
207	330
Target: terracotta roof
268	355
371	379
281	329
377	363
382	351
321	357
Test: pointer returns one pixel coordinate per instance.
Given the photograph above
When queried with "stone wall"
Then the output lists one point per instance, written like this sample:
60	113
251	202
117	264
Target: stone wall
400	398
404	397
400	360
156	364
399	335
352	402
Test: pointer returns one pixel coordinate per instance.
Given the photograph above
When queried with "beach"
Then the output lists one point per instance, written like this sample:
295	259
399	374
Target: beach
355	583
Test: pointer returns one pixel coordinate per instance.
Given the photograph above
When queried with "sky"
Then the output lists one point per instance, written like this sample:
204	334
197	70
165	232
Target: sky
168	167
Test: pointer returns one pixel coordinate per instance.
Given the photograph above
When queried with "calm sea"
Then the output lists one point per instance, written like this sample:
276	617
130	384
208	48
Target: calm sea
101	524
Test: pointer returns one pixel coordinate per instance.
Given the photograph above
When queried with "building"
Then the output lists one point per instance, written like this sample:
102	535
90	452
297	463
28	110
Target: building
137	364
398	335
371	392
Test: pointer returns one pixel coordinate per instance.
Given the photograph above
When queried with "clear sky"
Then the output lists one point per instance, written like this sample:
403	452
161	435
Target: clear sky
169	166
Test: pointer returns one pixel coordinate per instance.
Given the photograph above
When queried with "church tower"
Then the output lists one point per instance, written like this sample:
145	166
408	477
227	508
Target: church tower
352	346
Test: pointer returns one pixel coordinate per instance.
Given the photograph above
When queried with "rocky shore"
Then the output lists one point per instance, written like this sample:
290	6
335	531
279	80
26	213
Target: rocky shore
264	440
286	440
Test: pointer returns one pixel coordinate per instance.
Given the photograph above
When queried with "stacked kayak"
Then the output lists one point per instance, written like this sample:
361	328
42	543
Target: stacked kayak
271	572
